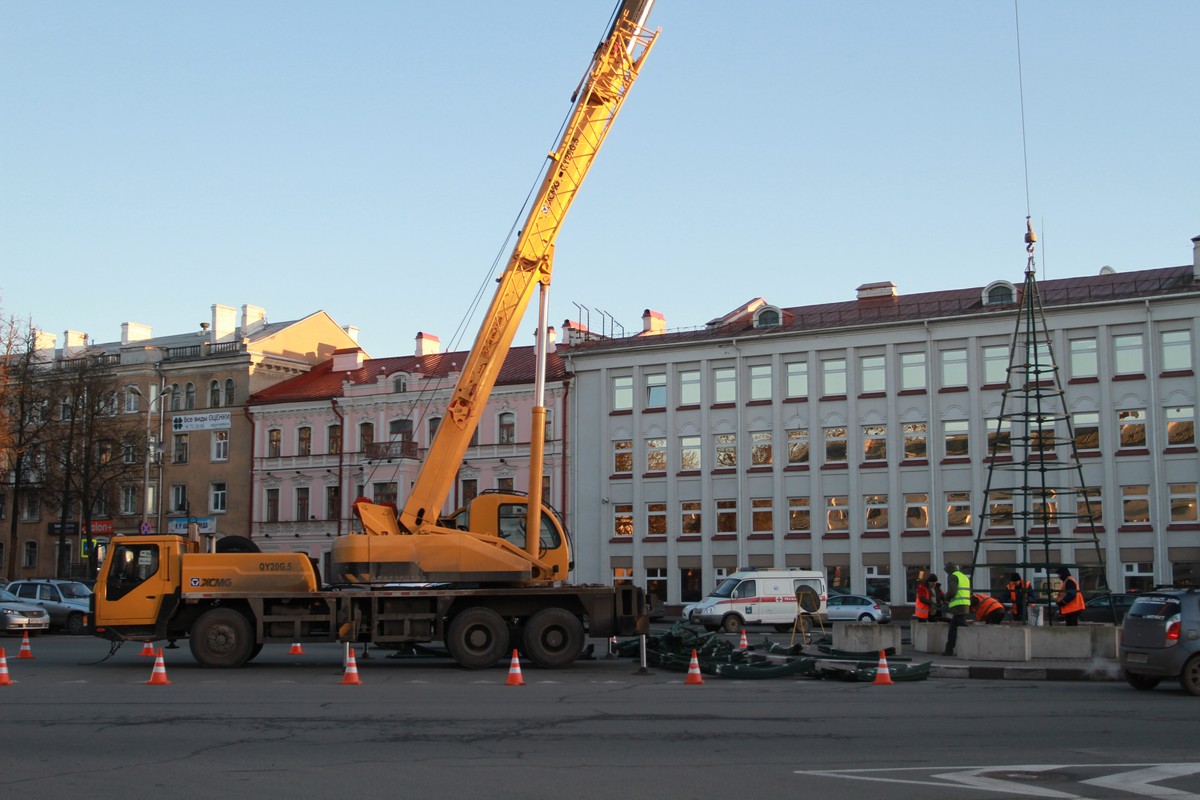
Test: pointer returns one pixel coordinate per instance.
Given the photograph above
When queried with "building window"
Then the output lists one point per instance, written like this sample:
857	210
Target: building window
691	521
956	438
833	377
179	454
916	511
762	515
1088	508
302	503
304	441
219	498
656	455
272	505
179	501
504	485
837	513
129	500
230	392
1176	351
656	519
384	492
1045	507
874	442
1135	504
1039	364
727	516
1084	358
797	379
954	367
622	393
274	443
912	372
623	456
214	394
760	449
1000	438
401	430
1181	426
958	509
724	385
1086	425
726	450
875	506
656	390
31	507
689	387
656	585
1132	426
333	439
995	365
915	440
835	445
470	490
176	398
29	555
189	396
797	445
436	422
1000	508
3	508
690	453
1127	354
400	384
366	434
508	428
129	452
131	399
623	519
1139	576
799	515
1183	502
873	374
1041	434
760	382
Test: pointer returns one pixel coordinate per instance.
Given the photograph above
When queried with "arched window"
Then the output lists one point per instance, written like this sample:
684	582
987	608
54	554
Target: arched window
999	293
230	394
189	396
304	441
333	435
434	422
508	428
767	318
176	398
214	394
400	383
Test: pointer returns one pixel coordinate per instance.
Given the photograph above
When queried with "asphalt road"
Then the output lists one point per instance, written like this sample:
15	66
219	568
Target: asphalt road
285	727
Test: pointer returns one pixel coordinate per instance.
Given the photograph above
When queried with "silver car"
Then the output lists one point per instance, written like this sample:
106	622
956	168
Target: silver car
857	608
17	616
67	602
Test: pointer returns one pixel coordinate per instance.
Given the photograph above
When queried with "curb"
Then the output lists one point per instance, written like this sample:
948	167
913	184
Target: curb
1025	673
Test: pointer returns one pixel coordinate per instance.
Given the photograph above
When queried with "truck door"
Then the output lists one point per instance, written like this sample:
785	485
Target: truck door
745	600
137	582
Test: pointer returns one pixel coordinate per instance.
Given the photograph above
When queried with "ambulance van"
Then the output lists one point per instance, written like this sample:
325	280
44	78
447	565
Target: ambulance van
762	597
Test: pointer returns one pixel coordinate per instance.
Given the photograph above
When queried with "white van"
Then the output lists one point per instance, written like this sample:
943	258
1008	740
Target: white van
761	597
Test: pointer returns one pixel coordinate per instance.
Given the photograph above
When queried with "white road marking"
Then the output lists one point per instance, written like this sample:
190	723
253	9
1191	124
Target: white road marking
1141	782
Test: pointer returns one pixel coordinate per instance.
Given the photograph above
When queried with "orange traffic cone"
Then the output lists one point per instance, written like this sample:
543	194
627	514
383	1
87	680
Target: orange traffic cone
883	676
296	650
147	650
26	650
514	672
693	676
743	644
4	679
158	677
351	676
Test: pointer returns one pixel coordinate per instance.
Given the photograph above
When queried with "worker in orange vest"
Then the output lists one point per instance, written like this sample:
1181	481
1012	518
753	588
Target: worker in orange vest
1070	598
926	600
987	609
1019	595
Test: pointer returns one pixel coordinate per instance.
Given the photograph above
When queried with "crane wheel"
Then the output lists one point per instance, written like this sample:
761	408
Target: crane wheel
552	638
222	637
237	544
477	638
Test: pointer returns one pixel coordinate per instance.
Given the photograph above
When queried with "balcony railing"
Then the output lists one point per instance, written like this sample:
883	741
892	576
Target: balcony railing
379	451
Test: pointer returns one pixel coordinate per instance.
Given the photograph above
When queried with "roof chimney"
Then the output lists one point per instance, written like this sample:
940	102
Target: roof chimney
224	322
347	359
428	344
253	318
44	345
135	332
653	322
1196	259
74	343
352	332
881	289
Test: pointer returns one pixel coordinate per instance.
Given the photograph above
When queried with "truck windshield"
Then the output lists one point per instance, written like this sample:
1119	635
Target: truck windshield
726	588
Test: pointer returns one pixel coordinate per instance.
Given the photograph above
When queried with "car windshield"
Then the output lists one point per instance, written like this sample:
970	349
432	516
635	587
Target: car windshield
8	597
1155	606
726	588
75	590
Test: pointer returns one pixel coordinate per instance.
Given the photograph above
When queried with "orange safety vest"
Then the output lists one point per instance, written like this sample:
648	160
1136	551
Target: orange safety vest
1076	604
986	606
1018	592
923	605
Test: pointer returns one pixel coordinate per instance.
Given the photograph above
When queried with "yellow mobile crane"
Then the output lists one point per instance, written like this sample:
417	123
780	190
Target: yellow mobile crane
474	580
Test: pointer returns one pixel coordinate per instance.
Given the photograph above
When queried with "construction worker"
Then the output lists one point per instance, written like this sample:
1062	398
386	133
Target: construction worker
926	600
1070	598
1018	595
958	600
987	609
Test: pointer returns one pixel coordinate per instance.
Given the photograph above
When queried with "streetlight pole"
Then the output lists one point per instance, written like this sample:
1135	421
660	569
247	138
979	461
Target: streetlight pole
150	450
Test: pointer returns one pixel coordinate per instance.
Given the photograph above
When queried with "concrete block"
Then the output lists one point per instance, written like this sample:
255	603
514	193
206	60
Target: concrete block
861	637
930	637
1106	640
994	643
1059	641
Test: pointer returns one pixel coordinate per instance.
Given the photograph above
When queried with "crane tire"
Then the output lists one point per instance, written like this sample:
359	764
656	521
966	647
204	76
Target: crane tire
237	544
552	638
477	638
222	637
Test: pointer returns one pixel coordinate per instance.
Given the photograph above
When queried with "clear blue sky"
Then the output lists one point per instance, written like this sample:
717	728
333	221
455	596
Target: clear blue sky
368	158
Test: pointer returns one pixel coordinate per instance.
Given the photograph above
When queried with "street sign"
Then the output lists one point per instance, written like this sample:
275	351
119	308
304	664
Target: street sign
214	421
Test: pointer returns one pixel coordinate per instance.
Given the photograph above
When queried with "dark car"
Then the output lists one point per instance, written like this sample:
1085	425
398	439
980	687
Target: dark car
1160	639
1107	608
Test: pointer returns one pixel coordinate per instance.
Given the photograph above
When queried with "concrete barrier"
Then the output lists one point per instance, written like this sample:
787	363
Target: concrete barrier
1060	641
930	637
994	643
1106	640
861	637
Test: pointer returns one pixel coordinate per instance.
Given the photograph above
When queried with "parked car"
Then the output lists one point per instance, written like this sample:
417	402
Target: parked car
1160	639
1103	607
857	608
17	616
67	602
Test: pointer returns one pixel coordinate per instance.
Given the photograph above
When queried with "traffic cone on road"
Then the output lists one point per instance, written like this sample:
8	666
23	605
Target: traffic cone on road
147	650
296	650
351	676
4	679
743	644
26	650
158	677
514	672
883	676
693	676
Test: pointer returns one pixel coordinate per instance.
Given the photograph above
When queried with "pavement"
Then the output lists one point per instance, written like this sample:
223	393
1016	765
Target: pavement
1038	669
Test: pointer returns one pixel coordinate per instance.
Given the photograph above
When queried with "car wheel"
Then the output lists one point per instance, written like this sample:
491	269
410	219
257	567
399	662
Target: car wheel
732	623
1142	682
1189	678
865	617
75	624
